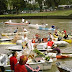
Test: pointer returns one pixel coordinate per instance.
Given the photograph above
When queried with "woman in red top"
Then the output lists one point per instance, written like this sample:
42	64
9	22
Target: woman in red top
20	67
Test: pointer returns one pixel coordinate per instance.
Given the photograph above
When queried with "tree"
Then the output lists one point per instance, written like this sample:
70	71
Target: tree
18	5
40	4
50	3
3	6
35	6
57	2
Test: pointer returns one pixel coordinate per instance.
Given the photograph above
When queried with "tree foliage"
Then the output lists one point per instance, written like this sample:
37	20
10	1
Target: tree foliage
40	4
3	6
55	3
17	4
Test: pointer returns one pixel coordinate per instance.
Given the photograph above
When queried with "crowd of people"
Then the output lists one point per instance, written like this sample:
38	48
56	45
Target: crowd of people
21	66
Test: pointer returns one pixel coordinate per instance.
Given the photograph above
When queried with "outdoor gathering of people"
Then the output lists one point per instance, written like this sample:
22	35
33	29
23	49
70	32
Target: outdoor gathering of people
20	61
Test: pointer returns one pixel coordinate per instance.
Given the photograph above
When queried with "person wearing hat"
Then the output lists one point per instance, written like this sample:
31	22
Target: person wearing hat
13	60
20	67
56	49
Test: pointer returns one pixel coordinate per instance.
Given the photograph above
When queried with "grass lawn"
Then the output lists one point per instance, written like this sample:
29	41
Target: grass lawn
51	13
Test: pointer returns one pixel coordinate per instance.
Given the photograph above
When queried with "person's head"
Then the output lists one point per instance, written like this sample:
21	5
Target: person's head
49	33
50	39
23	60
24	35
17	27
14	53
55	46
37	35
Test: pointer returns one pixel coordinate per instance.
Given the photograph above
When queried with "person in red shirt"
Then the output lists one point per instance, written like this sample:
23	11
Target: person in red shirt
50	43
20	67
13	60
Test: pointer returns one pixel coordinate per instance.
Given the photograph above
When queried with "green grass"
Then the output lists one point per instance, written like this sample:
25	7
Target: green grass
51	13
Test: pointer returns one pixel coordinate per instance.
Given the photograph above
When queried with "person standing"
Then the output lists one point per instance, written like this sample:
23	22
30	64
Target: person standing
13	60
